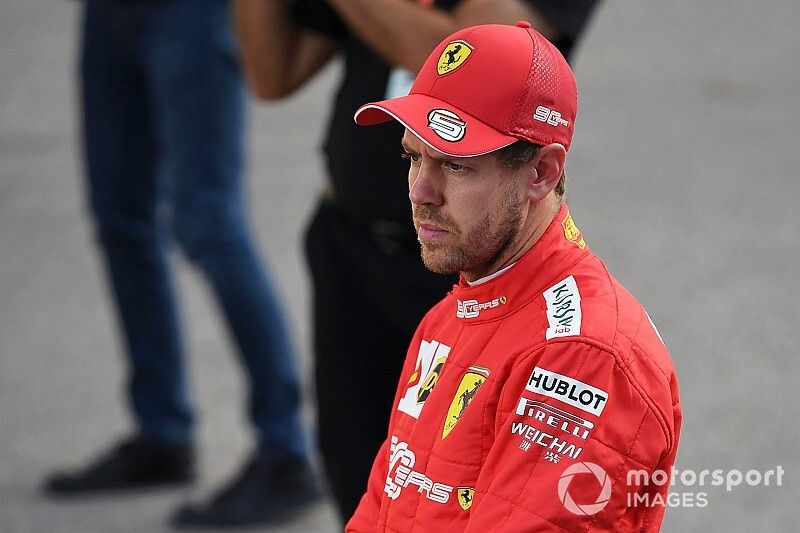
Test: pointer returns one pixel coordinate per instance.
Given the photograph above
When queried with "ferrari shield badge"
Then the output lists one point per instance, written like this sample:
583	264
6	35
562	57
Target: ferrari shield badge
465	497
465	393
453	56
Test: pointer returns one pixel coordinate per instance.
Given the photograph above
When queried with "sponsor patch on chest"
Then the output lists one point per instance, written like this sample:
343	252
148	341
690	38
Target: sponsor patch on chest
430	362
473	308
401	474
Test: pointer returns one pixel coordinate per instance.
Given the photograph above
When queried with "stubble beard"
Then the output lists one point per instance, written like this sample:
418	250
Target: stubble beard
484	245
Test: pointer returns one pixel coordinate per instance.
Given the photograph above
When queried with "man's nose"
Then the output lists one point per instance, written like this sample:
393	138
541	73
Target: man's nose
426	186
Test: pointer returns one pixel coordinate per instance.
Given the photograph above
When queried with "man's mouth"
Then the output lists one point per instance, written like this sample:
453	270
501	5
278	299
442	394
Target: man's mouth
427	232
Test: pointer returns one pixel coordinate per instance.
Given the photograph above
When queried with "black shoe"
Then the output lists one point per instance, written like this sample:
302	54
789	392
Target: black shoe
136	463
264	492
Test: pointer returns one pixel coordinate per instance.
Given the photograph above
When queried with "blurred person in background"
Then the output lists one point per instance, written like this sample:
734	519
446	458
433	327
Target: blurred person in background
370	287
163	106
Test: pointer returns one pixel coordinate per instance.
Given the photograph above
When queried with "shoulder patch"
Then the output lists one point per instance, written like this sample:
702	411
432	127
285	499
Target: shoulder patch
563	309
572	233
568	390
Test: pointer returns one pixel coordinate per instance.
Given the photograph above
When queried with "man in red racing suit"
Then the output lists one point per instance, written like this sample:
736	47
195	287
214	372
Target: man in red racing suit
539	383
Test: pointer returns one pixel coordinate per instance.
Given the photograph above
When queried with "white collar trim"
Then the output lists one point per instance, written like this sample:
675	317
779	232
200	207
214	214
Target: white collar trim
490	277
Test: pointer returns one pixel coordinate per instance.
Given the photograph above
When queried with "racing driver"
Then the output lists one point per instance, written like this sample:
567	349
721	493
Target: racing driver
538	382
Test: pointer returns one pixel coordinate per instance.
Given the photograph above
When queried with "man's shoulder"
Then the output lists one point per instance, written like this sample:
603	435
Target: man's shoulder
608	323
582	316
588	303
593	342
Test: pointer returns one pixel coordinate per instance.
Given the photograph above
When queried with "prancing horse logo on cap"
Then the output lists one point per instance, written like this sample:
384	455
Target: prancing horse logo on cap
447	125
453	56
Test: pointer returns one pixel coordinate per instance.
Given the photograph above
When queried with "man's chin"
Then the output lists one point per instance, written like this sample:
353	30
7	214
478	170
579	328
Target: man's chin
437	261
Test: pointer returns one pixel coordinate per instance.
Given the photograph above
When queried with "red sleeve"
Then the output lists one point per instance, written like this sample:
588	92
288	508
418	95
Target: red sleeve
573	420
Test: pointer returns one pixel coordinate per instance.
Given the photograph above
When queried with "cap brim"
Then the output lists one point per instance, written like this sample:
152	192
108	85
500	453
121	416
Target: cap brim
439	125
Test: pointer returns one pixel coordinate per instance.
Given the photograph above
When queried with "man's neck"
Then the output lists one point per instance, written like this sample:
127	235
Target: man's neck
536	223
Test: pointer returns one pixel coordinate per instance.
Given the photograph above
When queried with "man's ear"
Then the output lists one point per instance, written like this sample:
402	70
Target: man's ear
548	166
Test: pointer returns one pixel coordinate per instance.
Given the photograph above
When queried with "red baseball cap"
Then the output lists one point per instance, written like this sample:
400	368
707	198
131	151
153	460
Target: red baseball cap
482	89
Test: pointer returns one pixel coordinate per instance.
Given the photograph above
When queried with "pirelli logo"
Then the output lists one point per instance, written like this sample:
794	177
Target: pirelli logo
554	417
568	390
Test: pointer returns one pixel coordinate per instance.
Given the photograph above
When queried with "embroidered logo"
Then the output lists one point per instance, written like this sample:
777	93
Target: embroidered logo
548	116
473	308
568	390
464	395
447	125
465	497
430	361
454	55
563	309
572	233
401	474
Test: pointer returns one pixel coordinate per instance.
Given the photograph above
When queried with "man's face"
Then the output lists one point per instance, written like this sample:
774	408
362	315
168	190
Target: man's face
468	212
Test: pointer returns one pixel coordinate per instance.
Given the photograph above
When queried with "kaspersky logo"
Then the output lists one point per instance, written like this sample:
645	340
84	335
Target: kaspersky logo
473	308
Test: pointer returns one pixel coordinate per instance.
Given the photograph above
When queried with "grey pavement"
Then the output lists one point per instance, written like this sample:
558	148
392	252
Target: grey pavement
684	178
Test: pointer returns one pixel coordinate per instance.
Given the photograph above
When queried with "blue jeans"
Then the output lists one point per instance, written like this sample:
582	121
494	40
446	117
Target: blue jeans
163	110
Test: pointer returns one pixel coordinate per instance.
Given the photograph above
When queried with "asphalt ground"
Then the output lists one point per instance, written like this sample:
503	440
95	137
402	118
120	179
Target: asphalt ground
683	177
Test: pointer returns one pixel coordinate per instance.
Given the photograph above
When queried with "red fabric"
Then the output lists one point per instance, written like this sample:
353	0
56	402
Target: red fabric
601	391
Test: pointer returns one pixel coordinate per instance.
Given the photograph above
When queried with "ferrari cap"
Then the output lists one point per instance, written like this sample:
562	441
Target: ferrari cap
482	89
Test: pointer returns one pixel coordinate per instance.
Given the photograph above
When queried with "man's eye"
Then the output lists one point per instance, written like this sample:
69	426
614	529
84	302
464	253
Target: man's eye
454	167
410	157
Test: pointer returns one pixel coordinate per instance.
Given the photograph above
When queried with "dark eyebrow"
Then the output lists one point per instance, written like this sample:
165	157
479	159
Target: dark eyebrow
437	157
411	151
